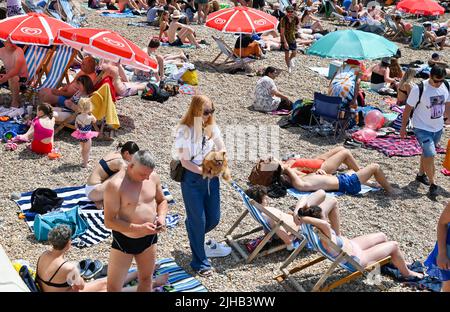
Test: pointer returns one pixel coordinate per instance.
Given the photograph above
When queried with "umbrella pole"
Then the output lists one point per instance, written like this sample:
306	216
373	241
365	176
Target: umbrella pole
240	50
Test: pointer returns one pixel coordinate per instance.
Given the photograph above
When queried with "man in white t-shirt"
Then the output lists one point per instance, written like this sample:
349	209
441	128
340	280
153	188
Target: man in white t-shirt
267	96
428	121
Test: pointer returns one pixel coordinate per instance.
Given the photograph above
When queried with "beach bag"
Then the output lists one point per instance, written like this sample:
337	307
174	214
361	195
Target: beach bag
265	173
446	163
176	170
301	113
153	92
43	224
190	77
44	200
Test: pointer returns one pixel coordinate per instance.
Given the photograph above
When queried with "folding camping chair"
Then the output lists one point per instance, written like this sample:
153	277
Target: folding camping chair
316	238
231	59
329	109
256	211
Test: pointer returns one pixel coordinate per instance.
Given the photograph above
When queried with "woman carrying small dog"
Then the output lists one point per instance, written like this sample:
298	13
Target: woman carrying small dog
196	136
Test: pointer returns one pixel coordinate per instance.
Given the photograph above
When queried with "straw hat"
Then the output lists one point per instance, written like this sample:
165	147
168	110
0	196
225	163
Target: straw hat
175	14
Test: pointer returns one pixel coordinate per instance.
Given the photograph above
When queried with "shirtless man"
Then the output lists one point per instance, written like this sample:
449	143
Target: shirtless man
58	96
16	69
345	183
135	210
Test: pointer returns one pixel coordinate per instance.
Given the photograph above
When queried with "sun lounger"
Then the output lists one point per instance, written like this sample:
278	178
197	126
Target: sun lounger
256	211
231	60
316	238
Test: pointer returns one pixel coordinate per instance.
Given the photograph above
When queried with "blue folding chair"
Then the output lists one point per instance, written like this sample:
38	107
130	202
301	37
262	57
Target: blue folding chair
316	239
256	211
329	109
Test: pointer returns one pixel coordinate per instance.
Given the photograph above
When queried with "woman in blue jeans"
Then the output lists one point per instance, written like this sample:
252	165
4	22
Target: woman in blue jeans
196	136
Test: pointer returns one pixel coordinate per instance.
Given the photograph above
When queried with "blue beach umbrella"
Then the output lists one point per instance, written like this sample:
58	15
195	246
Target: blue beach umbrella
353	44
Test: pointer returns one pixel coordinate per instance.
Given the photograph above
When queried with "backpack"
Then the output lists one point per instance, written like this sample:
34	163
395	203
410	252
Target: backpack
301	113
44	200
153	92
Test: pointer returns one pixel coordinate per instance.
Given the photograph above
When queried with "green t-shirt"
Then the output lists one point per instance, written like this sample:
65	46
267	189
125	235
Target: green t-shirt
290	28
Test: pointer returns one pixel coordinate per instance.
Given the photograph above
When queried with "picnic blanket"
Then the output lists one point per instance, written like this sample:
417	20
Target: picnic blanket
393	145
179	280
297	194
76	196
125	14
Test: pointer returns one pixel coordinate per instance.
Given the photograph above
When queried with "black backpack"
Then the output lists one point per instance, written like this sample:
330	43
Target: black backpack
301	113
44	200
153	92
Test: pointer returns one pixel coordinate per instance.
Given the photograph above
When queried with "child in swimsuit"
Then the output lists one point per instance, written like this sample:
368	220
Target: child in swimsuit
84	133
41	131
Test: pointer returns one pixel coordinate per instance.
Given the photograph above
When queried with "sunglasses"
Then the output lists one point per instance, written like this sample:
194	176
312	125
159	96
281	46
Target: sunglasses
208	112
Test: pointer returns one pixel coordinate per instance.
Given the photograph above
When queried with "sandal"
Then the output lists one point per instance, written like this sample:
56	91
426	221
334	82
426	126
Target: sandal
205	272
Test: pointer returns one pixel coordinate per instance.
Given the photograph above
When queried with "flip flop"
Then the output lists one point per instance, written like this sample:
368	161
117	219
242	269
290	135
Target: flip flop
103	272
206	272
93	268
84	264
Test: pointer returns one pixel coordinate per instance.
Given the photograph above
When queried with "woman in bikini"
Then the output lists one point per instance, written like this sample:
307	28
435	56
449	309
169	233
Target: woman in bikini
107	167
404	86
55	274
365	250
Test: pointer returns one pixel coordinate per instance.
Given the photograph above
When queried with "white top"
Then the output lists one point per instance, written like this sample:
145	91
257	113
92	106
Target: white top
185	139
429	113
264	101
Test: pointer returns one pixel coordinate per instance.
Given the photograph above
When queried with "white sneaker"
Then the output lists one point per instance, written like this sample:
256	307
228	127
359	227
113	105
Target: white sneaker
289	69
292	63
214	249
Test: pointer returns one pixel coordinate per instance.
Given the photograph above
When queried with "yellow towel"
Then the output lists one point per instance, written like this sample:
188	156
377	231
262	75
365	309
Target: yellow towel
104	106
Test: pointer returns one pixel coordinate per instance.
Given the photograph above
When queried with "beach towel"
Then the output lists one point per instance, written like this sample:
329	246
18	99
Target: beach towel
323	71
187	89
179	280
393	145
186	45
6	126
364	189
103	106
76	196
140	24
115	14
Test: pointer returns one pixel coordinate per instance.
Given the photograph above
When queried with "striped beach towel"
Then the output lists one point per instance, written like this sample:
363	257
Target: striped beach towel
76	196
178	278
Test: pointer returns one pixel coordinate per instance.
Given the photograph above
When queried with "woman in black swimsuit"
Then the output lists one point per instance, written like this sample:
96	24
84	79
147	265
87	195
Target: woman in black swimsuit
55	274
404	86
106	167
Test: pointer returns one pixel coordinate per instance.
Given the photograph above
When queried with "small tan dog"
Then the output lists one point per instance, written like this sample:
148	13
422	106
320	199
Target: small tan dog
214	164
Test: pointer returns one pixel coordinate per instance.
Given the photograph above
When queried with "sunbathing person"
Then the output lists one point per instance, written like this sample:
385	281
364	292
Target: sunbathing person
120	81
84	89
436	59
326	163
438	262
109	165
55	274
134	5
272	42
329	205
16	70
431	36
58	96
345	183
184	32
245	46
380	75
309	21
365	250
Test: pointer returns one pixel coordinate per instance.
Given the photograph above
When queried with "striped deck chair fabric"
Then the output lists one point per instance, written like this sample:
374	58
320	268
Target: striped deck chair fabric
34	56
76	196
178	278
63	55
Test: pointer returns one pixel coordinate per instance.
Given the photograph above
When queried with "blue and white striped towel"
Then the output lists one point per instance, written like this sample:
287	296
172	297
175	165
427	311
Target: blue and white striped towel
76	196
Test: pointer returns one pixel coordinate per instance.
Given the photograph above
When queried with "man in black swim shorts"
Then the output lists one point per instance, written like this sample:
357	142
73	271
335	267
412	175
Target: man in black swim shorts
135	211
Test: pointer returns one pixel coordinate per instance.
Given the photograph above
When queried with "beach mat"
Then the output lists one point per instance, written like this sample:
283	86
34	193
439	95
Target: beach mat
115	14
75	196
364	189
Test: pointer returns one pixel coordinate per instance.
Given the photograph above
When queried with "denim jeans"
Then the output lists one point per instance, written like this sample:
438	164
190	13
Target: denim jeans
202	203
428	141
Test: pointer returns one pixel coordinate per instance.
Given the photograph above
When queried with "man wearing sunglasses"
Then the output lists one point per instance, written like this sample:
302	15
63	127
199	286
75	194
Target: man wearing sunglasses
430	101
288	28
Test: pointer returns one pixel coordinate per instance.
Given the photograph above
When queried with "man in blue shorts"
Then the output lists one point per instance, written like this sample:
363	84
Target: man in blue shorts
430	100
345	183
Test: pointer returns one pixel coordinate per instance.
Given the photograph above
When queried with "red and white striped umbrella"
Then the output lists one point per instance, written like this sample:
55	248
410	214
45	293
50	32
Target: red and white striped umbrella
109	45
242	20
32	28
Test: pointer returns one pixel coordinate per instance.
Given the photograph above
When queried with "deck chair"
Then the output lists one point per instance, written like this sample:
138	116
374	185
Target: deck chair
256	211
231	60
392	31
70	13
418	32
34	57
329	109
55	68
343	260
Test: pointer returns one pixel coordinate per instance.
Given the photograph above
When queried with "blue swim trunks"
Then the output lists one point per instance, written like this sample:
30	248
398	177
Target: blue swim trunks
61	100
349	184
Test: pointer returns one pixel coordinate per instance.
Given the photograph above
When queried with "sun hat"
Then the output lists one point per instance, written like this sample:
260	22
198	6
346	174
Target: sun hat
175	14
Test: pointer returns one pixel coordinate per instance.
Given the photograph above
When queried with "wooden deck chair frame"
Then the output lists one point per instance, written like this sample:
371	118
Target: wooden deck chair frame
67	123
232	239
231	60
392	32
286	275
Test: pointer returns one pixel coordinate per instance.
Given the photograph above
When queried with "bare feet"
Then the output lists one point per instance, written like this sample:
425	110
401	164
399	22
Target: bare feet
161	280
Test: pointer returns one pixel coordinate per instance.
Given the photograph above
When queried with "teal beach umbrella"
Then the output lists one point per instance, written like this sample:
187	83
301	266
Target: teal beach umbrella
353	44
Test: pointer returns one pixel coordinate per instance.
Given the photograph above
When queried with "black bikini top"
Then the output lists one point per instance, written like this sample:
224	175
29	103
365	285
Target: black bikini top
49	282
